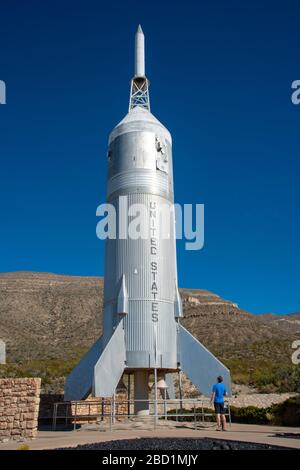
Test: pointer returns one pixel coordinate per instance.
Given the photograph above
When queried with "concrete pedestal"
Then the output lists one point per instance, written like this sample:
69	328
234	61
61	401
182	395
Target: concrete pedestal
141	392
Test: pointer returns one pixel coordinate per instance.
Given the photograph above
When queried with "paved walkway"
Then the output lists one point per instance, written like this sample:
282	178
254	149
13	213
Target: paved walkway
238	432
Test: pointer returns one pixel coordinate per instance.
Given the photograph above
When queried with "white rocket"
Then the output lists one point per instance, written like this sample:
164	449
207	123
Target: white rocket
142	333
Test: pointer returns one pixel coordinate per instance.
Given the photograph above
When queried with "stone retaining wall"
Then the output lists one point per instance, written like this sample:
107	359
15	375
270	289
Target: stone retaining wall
19	407
91	409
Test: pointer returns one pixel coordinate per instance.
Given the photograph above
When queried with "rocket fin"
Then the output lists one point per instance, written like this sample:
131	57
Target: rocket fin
122	303
80	381
199	364
178	304
111	364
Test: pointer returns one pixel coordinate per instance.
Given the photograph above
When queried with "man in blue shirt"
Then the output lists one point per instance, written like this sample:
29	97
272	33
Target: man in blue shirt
217	398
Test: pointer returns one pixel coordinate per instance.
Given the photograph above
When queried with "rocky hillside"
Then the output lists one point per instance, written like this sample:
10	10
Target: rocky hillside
233	333
47	316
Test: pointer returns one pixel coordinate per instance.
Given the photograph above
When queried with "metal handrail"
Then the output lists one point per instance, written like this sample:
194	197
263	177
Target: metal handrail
112	414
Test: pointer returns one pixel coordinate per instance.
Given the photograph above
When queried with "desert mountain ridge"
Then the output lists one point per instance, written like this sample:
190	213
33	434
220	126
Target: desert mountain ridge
47	314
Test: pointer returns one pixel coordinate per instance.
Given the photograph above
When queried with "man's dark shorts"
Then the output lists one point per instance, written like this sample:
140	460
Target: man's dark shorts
219	408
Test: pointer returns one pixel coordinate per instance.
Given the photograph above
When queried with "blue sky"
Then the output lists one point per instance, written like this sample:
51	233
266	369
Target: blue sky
221	75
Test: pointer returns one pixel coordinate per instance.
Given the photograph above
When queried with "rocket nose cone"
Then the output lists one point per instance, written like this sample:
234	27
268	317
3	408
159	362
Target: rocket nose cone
139	30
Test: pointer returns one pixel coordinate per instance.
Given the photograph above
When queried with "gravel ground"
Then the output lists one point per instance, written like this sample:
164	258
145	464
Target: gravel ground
174	444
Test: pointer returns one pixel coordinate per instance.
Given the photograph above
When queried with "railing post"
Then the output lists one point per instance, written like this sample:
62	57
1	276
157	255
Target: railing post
128	394
66	417
110	427
54	417
229	415
114	407
155	398
180	388
75	415
165	404
102	409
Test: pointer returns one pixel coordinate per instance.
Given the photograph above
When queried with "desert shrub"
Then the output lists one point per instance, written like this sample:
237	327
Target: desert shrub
249	415
51	371
286	413
267	376
282	414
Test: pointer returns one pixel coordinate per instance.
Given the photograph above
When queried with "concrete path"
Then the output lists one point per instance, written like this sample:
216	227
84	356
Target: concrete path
238	432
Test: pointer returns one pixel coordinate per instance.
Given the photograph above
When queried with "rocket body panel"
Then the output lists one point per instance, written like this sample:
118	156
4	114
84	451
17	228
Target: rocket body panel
140	171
